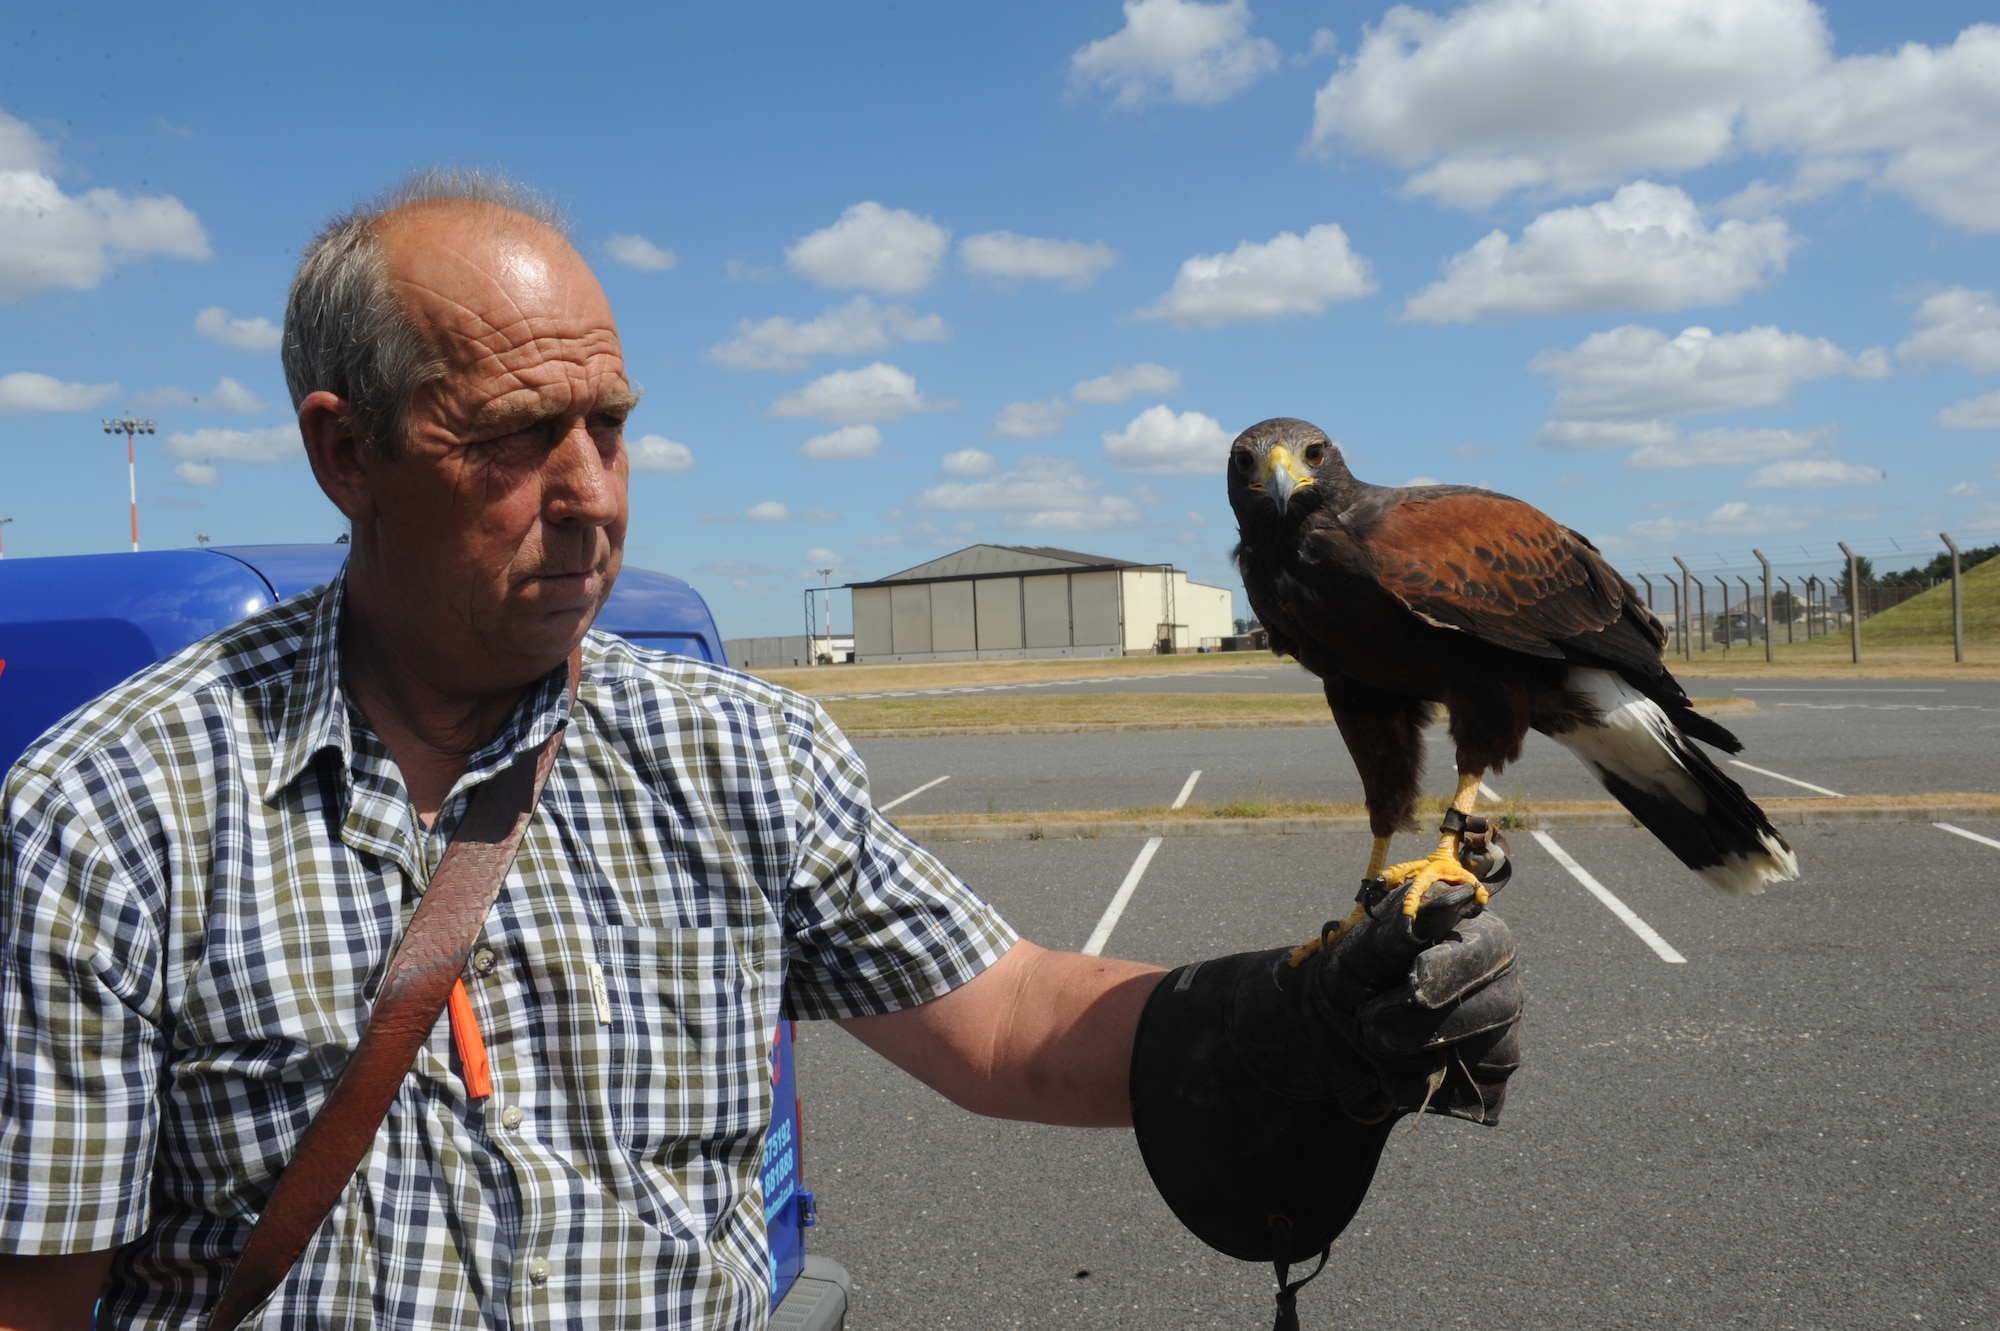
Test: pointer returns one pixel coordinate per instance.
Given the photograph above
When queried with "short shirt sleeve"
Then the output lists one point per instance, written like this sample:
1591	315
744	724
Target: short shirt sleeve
874	922
79	1062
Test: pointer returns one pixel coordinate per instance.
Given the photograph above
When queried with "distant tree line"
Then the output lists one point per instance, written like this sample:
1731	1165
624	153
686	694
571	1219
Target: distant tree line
1924	576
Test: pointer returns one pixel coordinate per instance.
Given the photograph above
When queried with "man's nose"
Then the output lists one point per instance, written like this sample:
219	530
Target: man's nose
580	481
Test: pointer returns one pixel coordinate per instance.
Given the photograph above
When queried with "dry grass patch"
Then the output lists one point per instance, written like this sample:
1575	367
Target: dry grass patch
990	712
819	681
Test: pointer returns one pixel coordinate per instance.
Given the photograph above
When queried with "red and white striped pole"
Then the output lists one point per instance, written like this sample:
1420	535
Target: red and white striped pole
131	427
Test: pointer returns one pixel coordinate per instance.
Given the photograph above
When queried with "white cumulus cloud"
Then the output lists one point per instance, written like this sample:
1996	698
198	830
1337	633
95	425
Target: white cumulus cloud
640	253
1176	50
196	473
1635	374
968	462
1561	96
872	395
1813	474
768	511
1006	257
856	328
1726	446
1289	274
277	443
1977	413
220	327
1956	326
656	452
1031	420
1645	248
227	395
1160	442
1918	122
25	391
889	251
1570	96
1129	381
849	443
52	239
1041	494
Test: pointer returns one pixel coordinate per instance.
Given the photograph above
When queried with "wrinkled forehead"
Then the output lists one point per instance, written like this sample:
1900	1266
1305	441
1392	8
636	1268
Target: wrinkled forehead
478	280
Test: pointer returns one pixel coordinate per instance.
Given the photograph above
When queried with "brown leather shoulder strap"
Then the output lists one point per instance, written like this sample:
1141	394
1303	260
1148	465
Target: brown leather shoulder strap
426	965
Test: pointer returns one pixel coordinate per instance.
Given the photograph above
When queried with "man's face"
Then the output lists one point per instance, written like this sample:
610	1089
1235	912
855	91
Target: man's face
501	525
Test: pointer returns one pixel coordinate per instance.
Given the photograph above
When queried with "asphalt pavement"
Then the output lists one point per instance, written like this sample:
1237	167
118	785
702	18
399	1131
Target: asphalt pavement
1797	1125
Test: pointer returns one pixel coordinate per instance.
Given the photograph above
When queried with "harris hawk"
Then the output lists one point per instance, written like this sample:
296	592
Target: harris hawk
1402	598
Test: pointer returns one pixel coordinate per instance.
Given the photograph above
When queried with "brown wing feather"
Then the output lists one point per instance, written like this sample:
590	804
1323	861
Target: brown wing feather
1496	568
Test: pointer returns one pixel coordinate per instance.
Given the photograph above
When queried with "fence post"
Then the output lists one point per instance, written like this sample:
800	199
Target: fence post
1957	606
1853	600
1649	590
1723	583
1812	600
1767	601
1791	610
1686	605
1680	620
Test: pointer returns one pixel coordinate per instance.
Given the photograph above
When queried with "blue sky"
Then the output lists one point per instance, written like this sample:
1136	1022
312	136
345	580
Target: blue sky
1694	277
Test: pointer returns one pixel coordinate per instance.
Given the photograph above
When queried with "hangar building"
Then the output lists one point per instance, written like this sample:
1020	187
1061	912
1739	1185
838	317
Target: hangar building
1030	600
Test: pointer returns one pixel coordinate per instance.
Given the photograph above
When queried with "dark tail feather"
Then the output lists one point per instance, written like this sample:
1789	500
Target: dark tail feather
1650	766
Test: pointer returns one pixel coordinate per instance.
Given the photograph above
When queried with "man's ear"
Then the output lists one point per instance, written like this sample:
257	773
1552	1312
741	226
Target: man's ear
337	456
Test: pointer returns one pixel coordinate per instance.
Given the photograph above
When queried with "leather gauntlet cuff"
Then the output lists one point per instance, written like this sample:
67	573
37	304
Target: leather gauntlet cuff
1255	1155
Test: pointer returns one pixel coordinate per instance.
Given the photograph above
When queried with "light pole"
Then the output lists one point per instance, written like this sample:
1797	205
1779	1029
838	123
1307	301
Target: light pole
826	602
130	427
5	521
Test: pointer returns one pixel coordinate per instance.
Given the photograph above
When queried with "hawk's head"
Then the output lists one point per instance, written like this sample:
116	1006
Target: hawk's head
1282	469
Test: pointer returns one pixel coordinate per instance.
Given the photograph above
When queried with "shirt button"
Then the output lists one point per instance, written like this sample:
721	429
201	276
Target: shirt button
483	961
511	1117
538	1271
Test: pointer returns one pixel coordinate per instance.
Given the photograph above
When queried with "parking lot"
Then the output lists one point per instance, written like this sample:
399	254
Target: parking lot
1777	1111
1879	737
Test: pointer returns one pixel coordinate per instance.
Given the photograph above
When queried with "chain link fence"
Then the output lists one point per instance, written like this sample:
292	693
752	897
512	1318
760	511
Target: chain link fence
1755	599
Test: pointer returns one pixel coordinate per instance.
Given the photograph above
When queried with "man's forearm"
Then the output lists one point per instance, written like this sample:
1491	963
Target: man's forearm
1042	1036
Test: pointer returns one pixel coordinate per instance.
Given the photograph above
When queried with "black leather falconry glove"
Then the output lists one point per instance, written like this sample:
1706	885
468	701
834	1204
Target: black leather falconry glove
1262	1092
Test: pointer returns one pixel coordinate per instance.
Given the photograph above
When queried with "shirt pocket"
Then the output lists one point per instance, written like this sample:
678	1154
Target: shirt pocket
691	1011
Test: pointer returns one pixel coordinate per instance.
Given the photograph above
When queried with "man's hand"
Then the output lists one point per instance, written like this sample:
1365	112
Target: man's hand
1263	1091
51	1293
1432	1006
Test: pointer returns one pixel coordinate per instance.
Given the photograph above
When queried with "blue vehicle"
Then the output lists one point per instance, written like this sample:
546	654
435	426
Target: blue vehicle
73	626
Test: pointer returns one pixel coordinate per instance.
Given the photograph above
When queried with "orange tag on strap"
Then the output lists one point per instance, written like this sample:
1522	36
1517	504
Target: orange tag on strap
471	1048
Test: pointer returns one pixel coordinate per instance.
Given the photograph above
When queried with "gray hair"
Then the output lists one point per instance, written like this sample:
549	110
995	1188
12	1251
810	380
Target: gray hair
345	331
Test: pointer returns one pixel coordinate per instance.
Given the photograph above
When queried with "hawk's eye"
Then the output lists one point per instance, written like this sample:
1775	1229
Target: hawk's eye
1315	454
1243	460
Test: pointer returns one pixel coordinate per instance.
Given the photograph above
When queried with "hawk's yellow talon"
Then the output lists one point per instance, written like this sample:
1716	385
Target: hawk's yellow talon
1442	866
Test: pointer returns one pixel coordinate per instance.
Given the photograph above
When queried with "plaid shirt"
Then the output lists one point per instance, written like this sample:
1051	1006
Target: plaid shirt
203	875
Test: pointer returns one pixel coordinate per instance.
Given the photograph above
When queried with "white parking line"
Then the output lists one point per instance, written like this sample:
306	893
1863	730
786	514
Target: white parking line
1487	792
1102	933
884	808
1791	780
1624	912
1969	836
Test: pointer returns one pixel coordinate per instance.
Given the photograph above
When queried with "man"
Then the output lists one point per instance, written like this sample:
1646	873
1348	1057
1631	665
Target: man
204	873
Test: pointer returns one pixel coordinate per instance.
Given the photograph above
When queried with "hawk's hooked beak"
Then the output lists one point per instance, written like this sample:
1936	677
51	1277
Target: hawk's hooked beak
1282	475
